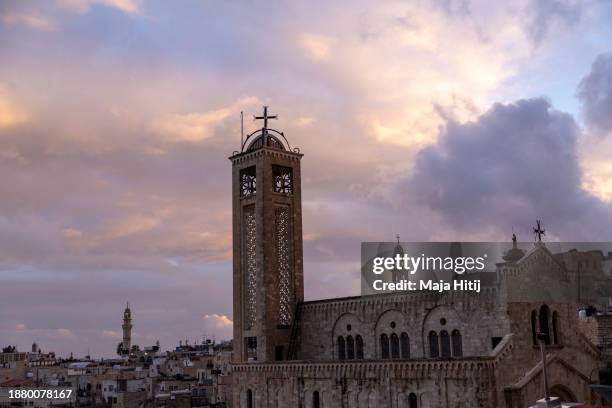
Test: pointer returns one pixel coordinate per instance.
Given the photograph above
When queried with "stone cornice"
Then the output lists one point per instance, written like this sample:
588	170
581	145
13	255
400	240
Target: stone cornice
247	156
370	368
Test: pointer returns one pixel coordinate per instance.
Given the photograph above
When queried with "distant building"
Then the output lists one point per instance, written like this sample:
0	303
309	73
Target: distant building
197	375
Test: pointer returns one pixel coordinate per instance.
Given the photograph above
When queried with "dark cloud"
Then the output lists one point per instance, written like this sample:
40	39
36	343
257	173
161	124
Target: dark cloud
595	92
515	163
543	15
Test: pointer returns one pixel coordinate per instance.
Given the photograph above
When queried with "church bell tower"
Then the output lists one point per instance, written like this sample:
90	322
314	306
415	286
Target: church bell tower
267	244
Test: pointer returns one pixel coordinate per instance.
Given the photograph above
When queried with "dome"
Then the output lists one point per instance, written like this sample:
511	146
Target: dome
514	254
266	140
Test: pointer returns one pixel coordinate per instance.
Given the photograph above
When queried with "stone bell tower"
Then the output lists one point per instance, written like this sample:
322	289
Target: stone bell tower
267	241
127	329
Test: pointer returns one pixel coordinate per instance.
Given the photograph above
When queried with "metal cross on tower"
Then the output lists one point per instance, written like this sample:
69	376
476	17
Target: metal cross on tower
538	232
265	118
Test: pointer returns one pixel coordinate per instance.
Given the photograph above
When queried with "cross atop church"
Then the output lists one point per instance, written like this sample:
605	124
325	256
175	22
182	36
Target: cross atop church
265	118
539	231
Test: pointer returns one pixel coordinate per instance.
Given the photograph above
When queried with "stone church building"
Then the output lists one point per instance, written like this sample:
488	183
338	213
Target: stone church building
410	350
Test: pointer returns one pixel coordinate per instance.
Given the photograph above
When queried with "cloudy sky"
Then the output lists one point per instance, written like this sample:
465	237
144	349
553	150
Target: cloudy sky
436	120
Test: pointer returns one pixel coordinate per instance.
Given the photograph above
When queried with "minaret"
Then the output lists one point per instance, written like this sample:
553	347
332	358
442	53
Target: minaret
267	241
127	329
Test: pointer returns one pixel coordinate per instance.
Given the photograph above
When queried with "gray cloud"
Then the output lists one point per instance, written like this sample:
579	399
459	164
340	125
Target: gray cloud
514	164
595	92
543	15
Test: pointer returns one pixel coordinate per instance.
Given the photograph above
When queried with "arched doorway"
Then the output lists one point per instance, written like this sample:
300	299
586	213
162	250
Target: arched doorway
564	393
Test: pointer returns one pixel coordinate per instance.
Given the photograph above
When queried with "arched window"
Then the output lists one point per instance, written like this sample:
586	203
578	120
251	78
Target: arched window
445	343
412	400
457	344
249	399
384	346
544	328
555	327
341	348
372	399
359	346
405	345
395	346
316	403
350	348
434	348
534	327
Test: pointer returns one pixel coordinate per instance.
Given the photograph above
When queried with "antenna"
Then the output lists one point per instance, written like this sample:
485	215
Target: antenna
241	129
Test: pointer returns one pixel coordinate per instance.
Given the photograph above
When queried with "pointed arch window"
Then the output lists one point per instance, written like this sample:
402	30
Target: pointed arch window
249	399
544	327
384	346
412	400
534	327
445	343
434	348
316	403
350	348
395	346
341	348
555	327
405	345
457	344
359	347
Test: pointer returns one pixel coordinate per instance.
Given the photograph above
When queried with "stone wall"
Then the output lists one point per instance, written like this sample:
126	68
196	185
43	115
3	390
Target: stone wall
458	384
479	318
598	329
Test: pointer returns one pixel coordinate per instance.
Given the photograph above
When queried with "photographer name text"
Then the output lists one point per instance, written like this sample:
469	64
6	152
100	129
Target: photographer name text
431	285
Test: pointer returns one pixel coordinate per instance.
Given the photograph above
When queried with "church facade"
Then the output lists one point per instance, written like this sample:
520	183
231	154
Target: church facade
407	350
